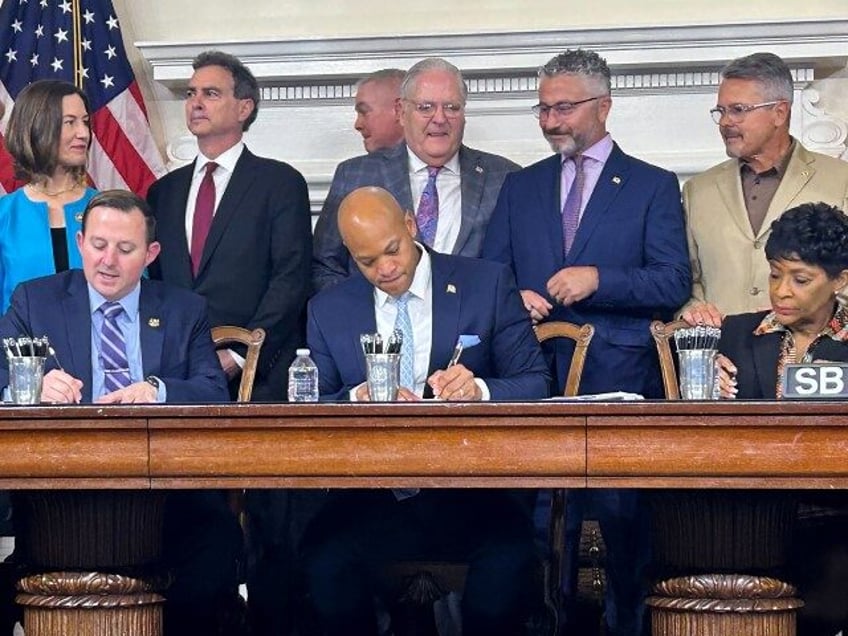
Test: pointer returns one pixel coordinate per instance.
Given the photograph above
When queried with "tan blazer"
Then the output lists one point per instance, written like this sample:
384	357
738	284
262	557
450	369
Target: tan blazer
729	267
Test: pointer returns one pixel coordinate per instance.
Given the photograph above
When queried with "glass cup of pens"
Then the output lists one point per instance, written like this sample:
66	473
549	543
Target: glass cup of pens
25	357
696	353
382	362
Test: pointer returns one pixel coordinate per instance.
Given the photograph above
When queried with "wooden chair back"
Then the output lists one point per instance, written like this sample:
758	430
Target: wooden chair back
227	335
662	332
581	335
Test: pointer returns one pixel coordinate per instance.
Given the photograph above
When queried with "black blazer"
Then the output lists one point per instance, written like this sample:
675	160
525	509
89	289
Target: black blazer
756	357
255	268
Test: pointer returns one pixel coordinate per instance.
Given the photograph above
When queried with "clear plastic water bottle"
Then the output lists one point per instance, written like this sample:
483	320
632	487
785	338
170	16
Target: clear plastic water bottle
303	378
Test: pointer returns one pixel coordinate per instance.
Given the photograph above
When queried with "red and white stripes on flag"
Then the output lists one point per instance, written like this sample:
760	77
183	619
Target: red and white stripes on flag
81	40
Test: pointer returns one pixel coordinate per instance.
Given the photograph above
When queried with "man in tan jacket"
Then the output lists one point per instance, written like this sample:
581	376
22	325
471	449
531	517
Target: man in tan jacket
730	207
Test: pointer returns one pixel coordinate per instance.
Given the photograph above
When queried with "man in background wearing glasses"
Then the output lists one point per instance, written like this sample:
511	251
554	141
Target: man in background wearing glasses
596	236
731	206
450	187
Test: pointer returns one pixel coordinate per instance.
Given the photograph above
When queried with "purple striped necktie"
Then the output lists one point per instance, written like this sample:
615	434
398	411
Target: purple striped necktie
113	349
571	207
428	208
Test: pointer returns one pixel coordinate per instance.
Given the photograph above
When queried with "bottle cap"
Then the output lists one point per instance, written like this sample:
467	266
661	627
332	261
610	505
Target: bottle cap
302	352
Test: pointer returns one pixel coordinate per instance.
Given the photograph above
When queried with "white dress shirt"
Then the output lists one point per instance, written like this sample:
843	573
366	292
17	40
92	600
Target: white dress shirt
448	184
226	164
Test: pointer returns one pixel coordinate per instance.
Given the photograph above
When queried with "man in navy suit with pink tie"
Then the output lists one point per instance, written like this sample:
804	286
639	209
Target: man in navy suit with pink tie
596	236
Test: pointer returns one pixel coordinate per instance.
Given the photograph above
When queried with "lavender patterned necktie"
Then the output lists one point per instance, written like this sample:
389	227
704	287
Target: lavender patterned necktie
571	208
113	349
428	208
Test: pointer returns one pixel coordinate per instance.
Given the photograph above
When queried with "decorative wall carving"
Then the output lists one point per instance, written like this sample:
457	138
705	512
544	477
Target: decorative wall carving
664	83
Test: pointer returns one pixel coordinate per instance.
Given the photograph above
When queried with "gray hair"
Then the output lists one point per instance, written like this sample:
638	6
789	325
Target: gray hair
384	75
768	70
245	85
579	62
431	64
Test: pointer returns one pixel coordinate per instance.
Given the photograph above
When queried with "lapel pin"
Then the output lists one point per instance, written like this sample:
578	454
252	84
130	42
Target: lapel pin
450	289
153	322
478	169
804	174
616	180
78	217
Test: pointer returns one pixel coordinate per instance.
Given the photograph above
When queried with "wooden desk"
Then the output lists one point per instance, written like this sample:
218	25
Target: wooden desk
544	444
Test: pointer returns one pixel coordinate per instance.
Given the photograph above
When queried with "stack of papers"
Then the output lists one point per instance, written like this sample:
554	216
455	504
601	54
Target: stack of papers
612	396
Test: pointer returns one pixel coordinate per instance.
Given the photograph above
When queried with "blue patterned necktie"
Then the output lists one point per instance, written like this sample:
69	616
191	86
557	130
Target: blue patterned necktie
571	207
428	208
113	349
407	358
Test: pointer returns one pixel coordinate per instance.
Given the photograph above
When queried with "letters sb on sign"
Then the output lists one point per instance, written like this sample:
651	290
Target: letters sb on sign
820	381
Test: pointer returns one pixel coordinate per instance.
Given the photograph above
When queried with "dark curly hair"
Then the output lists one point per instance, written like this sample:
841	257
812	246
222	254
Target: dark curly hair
815	233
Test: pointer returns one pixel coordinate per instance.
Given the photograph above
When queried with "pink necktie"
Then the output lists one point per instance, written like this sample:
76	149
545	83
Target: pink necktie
571	208
428	208
204	208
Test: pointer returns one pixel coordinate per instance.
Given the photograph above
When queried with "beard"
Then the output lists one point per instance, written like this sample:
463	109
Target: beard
565	144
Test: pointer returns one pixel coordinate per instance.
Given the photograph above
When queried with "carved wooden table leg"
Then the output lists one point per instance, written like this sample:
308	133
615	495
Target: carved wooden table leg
723	604
98	549
714	543
89	604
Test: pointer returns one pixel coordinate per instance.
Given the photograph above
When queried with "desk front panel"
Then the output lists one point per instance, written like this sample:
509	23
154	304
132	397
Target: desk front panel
357	445
73	448
721	445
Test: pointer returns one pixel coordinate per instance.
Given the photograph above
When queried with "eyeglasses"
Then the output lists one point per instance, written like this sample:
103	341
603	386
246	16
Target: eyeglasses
562	108
737	112
428	109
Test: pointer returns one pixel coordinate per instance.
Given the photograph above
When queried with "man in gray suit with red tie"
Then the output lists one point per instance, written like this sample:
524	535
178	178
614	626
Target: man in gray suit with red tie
459	183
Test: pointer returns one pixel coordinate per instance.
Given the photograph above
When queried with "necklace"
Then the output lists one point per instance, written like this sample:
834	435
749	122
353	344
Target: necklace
41	189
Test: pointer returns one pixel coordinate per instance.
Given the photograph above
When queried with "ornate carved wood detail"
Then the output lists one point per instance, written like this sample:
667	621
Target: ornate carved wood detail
725	586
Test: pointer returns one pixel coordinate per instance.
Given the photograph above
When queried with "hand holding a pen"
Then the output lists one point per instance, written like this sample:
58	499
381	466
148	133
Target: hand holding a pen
60	387
456	383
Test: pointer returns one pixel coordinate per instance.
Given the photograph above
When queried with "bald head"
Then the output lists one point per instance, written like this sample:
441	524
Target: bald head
365	207
380	237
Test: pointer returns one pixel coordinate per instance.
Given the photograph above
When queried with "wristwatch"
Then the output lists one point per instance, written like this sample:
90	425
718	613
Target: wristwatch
153	381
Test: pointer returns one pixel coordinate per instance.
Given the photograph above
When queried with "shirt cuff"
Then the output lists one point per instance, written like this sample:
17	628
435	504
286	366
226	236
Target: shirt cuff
484	389
239	360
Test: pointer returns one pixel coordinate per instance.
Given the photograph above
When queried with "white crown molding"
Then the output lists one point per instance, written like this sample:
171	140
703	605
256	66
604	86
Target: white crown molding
710	45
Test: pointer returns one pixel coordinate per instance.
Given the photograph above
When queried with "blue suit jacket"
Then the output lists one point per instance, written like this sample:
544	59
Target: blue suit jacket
632	230
481	177
176	344
470	297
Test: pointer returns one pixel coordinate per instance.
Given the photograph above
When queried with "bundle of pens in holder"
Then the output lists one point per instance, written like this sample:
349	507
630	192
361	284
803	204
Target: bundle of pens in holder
382	363
373	342
27	347
25	357
697	348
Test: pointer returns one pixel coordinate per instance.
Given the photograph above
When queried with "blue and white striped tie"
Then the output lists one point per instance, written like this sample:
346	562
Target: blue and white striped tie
113	349
407	358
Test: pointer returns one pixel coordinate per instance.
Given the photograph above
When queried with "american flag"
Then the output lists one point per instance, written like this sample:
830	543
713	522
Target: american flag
80	41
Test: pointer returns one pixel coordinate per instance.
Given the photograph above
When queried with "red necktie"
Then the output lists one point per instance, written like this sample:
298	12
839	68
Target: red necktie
203	210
